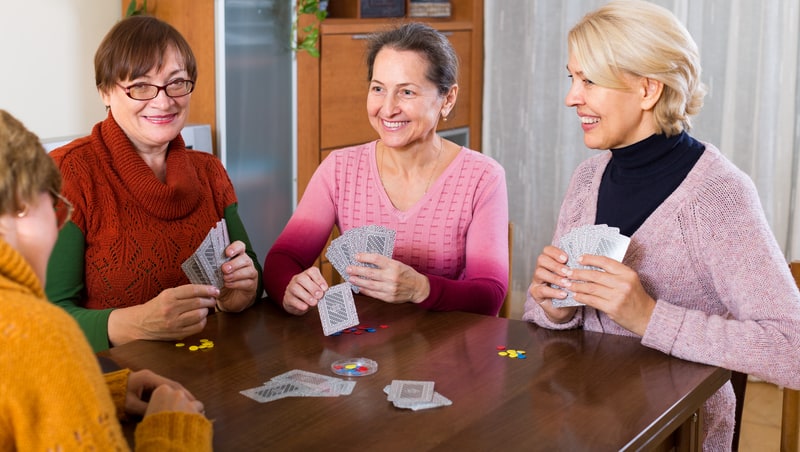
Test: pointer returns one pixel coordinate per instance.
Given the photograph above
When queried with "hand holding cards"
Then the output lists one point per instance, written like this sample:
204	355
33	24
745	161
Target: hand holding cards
204	266
600	240
337	310
365	239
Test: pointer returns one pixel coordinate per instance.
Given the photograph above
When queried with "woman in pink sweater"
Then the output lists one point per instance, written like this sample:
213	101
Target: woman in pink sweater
703	278
447	204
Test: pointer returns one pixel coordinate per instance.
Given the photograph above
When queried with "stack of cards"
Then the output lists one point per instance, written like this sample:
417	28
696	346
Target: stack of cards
300	383
365	239
337	309
415	395
204	266
600	240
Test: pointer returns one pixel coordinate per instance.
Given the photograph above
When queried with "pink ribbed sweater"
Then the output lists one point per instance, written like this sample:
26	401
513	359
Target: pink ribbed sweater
725	296
457	234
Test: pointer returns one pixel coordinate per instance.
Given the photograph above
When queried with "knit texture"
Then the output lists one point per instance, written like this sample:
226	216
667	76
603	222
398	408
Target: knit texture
725	296
457	234
52	393
138	230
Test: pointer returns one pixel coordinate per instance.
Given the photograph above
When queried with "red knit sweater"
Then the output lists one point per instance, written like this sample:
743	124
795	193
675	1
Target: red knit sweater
138	230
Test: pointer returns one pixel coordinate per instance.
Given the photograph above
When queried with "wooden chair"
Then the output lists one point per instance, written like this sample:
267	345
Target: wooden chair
505	309
790	420
790	417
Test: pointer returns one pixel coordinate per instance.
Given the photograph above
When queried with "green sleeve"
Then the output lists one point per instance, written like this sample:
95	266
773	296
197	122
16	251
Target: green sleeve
236	232
65	285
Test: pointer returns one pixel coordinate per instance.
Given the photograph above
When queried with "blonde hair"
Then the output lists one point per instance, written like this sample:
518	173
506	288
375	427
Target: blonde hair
25	168
643	39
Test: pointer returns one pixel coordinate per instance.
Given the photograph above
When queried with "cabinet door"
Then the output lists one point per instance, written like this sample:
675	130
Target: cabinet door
344	85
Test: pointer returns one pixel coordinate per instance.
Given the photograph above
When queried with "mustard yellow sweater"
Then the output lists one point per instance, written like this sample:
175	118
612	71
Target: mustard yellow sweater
53	396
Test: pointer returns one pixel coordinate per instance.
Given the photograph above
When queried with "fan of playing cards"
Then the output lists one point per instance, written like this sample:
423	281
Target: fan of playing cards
204	266
337	309
365	239
598	239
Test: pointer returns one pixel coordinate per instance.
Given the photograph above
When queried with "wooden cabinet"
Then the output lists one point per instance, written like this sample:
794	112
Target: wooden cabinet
332	89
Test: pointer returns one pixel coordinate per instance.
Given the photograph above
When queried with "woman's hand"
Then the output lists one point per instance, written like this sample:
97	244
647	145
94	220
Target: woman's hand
141	385
551	268
174	314
304	291
616	290
390	280
167	398
240	277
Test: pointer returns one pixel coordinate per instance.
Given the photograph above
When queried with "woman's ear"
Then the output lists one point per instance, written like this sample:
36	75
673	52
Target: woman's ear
450	100
651	90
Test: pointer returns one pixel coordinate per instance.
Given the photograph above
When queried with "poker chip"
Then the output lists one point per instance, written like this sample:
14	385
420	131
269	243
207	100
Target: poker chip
204	344
354	367
511	353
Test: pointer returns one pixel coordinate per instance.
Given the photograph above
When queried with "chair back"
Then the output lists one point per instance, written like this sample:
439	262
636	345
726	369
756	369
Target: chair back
505	309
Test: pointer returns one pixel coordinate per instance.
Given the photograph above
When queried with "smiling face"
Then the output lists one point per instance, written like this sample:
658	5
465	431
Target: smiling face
151	124
402	104
611	118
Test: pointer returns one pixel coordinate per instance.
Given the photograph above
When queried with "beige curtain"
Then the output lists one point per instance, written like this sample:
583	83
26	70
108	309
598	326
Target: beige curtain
750	57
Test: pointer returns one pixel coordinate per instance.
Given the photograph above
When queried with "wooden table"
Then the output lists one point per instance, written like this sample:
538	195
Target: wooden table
575	391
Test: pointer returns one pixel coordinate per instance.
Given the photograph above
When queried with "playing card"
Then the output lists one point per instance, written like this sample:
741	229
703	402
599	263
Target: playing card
273	390
316	382
337	309
436	401
410	391
600	240
205	265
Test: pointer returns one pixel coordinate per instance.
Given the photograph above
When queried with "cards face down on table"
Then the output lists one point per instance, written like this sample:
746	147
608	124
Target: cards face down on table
337	309
596	239
364	239
415	395
299	383
204	266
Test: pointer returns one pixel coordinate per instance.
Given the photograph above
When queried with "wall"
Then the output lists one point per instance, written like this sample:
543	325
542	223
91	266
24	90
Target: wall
47	48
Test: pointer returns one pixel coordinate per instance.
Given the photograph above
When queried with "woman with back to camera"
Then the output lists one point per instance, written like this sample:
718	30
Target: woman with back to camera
447	204
52	394
143	202
703	278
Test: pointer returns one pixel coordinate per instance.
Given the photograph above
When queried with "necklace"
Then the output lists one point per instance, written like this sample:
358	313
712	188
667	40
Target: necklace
430	178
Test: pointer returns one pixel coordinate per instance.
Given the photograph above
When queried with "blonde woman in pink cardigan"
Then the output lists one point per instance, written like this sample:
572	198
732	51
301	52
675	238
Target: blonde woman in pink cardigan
703	278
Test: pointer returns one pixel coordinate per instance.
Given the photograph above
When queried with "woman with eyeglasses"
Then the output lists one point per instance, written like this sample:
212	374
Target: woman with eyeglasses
52	393
143	202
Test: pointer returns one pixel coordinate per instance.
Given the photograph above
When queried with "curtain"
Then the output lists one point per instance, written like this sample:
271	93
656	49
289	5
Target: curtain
750	57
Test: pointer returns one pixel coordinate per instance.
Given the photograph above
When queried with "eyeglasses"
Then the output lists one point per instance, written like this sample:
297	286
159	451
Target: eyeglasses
147	91
62	207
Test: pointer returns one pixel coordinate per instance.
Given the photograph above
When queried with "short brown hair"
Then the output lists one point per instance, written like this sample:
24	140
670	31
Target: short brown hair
25	168
425	40
136	45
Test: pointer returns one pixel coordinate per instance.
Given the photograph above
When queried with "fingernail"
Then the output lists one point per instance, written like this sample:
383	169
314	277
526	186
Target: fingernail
565	283
566	271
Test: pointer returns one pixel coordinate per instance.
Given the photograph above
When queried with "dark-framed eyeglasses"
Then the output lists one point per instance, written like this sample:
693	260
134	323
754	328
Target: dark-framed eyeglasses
62	207
147	91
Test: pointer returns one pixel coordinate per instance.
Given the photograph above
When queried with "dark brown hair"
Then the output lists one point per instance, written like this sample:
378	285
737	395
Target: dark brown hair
136	45
425	40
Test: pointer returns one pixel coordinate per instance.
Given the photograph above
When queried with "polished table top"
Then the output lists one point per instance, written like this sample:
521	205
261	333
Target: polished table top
575	391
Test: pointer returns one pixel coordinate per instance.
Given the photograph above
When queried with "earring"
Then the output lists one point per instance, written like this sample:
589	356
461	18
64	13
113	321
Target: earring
444	116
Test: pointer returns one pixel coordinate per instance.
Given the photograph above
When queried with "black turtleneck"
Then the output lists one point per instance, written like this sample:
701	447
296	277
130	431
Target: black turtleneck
641	176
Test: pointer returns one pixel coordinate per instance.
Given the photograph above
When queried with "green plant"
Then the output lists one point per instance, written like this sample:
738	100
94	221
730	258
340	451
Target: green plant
134	10
308	41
